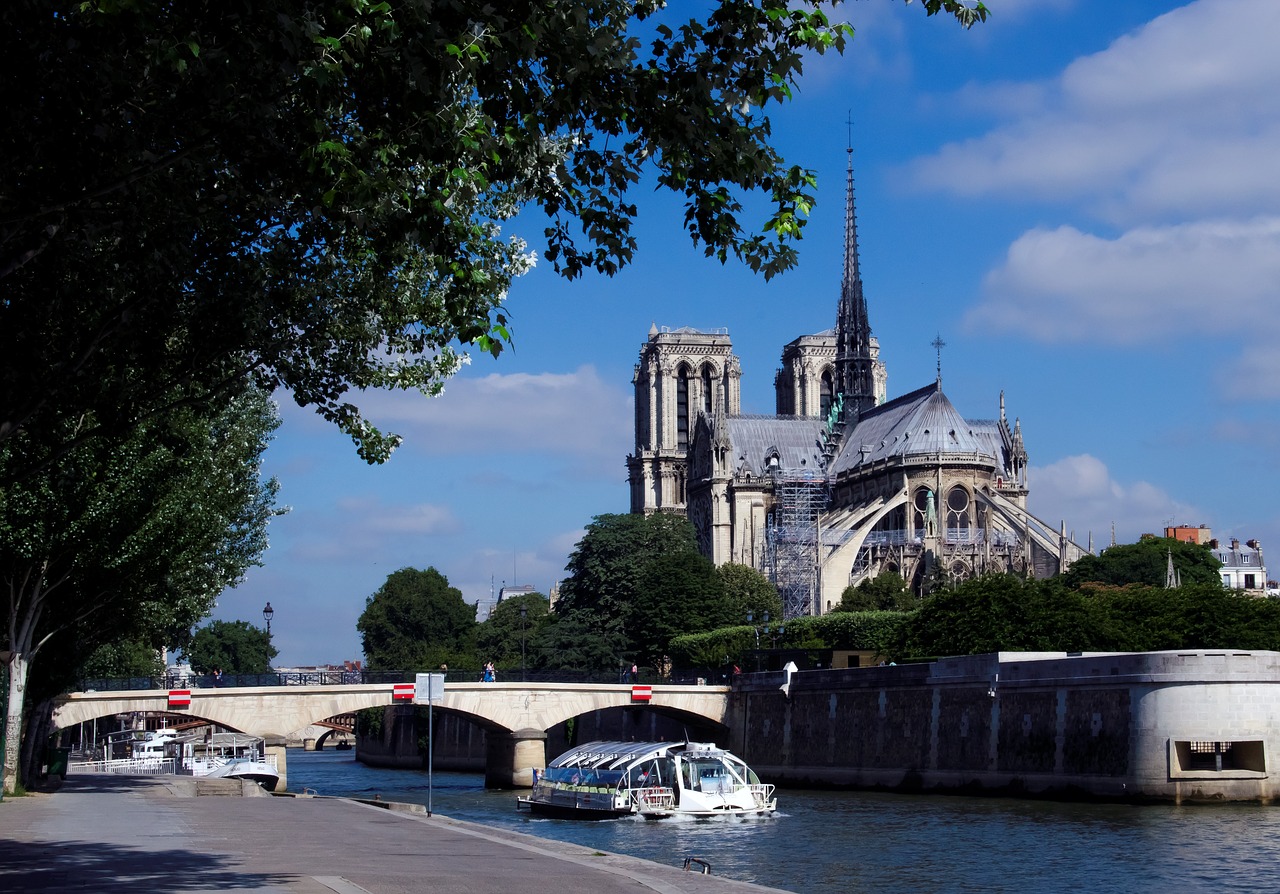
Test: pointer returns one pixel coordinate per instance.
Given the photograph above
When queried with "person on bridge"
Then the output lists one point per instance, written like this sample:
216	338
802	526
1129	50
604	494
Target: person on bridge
635	673
490	676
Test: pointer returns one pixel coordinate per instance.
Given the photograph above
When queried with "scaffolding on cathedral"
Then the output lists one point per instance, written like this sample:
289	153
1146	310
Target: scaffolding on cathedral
793	539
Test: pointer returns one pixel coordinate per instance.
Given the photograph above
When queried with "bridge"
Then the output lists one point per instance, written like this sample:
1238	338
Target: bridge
515	716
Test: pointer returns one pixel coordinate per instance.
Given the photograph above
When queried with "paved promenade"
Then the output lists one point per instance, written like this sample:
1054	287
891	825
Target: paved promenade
113	835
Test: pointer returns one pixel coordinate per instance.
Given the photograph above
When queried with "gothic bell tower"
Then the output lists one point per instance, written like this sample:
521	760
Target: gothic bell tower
681	373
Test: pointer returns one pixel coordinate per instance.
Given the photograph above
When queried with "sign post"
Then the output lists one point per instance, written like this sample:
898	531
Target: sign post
429	688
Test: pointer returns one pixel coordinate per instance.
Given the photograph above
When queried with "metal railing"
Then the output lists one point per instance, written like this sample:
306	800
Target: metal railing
345	677
129	766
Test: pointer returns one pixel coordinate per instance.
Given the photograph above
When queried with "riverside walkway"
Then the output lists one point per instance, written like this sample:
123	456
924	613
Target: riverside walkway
112	834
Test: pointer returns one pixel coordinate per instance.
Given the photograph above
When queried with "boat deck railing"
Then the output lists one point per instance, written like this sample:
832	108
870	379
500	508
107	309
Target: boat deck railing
129	766
762	794
654	799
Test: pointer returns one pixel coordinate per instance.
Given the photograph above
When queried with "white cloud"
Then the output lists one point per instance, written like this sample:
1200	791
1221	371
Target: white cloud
1176	118
366	529
574	414
1080	490
1209	277
1253	374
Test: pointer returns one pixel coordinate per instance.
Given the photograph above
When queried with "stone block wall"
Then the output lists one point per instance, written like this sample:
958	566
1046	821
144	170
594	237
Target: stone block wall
1173	726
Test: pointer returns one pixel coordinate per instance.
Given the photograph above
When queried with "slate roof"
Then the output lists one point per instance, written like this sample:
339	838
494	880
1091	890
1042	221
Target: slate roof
923	422
795	439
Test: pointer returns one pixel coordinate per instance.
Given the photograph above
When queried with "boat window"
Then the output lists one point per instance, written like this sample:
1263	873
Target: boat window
583	776
648	774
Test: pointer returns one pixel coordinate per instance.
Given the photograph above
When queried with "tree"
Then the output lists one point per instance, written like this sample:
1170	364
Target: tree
126	542
576	641
1146	562
129	658
234	647
678	593
606	569
499	637
887	591
1002	612
313	192
750	591
416	621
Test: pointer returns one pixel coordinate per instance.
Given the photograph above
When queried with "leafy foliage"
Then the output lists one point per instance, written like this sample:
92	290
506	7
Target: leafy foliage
1146	562
416	621
498	637
122	659
679	593
878	631
887	591
749	591
132	542
129	542
577	640
1005	613
315	191
234	647
607	573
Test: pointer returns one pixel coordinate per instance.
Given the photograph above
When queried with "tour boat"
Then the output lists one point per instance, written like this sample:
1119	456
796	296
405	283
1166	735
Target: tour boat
167	752
231	756
653	780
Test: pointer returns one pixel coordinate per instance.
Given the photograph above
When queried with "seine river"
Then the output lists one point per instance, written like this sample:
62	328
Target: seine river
859	843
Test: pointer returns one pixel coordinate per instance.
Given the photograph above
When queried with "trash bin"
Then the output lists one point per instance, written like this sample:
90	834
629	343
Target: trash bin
57	759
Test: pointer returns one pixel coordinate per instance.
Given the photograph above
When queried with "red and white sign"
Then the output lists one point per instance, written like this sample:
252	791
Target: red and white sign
641	693
402	692
179	698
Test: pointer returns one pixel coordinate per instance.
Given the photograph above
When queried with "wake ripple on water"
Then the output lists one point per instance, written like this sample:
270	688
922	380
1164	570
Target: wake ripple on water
865	843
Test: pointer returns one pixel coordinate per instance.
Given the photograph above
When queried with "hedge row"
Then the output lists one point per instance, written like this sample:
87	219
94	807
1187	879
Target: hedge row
875	631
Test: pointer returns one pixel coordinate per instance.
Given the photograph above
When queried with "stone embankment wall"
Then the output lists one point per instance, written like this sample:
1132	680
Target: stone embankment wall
1142	726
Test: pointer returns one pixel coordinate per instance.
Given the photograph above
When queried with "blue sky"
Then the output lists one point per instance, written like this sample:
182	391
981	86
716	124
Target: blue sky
1082	197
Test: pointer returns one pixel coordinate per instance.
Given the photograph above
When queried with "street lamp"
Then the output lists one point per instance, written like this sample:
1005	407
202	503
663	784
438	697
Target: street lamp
267	614
524	613
774	634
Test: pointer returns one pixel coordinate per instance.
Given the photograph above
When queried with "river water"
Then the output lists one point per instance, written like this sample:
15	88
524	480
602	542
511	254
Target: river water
859	843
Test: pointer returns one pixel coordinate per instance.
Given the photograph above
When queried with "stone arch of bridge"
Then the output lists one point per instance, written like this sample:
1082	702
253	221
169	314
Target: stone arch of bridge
516	715
272	712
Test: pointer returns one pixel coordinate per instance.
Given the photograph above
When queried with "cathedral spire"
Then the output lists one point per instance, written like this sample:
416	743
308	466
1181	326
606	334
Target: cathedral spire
854	363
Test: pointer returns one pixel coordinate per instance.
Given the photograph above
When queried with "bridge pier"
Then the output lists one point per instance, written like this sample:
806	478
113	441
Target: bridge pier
512	758
277	747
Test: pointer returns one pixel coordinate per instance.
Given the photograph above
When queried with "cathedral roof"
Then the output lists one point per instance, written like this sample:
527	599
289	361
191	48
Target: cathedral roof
923	422
793	440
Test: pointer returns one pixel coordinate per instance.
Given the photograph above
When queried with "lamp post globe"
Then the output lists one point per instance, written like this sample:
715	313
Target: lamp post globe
267	614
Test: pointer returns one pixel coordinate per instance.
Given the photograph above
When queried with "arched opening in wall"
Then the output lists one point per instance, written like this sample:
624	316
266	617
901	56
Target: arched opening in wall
828	392
960	571
707	390
682	407
921	503
958	521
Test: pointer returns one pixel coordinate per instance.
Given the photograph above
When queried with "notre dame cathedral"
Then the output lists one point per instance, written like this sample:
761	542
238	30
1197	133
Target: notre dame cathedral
842	484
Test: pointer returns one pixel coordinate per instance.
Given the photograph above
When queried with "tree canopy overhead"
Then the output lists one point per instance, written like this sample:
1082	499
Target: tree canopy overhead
314	190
